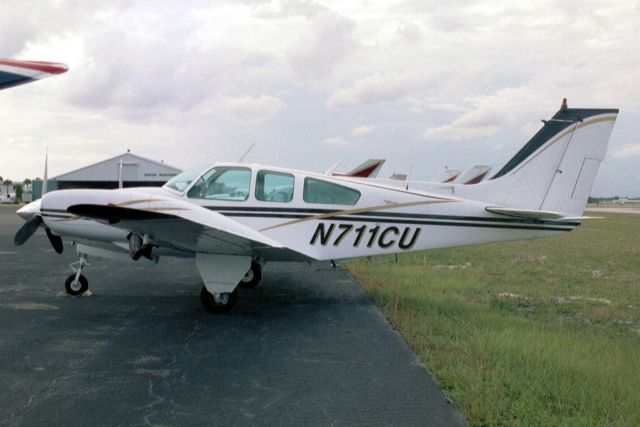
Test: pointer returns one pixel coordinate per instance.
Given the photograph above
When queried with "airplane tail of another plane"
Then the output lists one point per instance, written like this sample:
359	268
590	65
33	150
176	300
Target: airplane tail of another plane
474	175
367	169
447	175
555	170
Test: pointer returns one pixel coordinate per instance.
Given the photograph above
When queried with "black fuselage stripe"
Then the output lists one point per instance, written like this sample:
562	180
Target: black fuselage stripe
57	216
384	216
412	222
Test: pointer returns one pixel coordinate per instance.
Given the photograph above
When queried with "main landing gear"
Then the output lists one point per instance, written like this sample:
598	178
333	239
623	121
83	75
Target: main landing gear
218	302
252	277
224	302
76	283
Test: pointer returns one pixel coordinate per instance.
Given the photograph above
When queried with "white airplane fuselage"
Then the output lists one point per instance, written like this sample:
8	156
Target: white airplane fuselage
383	220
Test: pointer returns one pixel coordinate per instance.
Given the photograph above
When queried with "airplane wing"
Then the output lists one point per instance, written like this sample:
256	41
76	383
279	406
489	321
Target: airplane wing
14	73
179	225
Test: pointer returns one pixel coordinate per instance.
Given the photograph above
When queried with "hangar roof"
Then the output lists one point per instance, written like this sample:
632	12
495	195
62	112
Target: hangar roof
134	168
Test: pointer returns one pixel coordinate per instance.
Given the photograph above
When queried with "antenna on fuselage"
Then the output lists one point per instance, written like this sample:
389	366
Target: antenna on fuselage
333	167
241	158
409	177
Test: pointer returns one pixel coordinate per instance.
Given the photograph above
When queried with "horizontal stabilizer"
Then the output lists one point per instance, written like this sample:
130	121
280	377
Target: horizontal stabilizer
532	214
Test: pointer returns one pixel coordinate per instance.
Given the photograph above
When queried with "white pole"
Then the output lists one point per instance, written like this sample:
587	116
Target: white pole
120	174
45	178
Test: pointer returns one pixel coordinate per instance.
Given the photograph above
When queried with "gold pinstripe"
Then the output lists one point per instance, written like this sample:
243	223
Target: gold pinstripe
357	211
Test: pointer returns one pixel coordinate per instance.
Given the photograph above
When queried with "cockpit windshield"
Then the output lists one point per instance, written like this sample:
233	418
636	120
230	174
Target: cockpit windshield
182	181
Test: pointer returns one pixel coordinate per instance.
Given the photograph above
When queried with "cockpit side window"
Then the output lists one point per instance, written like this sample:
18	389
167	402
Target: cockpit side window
318	191
222	183
274	186
183	180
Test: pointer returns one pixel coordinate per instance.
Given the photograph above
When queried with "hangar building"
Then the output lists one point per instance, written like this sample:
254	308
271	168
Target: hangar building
133	170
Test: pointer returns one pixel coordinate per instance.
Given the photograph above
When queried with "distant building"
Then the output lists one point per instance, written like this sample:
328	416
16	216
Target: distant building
131	169
8	193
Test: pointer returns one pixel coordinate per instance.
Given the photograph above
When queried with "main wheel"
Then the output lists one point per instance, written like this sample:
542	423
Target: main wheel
222	303
74	287
135	246
252	277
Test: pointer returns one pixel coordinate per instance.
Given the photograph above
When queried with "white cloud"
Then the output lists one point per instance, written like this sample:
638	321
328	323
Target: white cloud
325	41
378	88
336	141
249	109
363	130
626	151
506	108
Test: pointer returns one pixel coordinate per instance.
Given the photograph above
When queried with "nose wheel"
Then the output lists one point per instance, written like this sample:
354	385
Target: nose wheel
76	283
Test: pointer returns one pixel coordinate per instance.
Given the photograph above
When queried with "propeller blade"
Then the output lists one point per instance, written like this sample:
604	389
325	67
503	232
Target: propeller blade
56	241
27	230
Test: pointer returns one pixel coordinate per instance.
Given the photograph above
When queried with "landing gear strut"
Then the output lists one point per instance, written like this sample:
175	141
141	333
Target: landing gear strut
76	283
218	302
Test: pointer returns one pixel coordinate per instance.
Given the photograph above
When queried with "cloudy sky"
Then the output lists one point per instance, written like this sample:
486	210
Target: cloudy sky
421	83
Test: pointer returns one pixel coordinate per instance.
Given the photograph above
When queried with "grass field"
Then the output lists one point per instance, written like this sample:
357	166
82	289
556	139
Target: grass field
525	333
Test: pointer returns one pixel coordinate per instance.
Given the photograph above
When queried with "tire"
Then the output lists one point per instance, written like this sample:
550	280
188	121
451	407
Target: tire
76	288
214	306
135	245
252	277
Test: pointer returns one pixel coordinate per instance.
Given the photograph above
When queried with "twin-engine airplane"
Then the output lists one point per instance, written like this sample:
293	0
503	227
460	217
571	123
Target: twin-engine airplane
233	218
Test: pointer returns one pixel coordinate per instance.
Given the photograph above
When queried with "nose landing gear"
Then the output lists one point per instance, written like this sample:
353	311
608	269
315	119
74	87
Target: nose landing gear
76	283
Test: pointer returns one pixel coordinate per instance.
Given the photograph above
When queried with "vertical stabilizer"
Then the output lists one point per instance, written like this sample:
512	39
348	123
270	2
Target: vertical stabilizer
368	169
474	175
447	175
556	169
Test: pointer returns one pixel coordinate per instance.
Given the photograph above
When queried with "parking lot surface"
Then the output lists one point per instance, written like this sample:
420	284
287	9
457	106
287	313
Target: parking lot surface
307	347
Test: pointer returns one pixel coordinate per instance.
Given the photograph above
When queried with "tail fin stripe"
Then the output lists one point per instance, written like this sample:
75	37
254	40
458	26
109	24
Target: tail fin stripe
552	128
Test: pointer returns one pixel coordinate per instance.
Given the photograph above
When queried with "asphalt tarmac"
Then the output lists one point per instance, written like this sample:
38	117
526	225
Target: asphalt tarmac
307	347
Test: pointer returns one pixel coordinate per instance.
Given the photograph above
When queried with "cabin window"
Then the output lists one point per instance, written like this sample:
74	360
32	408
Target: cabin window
274	186
222	183
182	181
318	191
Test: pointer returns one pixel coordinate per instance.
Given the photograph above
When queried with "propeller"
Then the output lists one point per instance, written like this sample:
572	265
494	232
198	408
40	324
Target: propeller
56	241
27	230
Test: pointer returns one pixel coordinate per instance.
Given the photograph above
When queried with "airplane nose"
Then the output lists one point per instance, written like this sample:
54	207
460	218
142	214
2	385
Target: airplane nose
29	211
